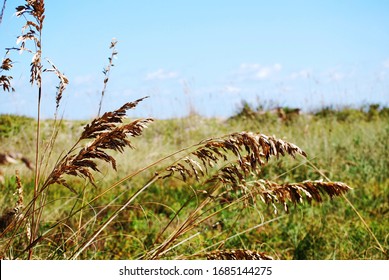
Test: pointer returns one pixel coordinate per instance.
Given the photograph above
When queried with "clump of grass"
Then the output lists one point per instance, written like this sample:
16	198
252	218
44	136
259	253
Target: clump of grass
12	125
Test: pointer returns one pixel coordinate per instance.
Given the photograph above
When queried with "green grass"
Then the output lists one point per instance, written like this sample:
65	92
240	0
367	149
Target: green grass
355	152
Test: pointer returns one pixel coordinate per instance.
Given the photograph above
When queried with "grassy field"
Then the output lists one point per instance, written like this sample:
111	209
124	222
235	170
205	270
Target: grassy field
259	185
347	145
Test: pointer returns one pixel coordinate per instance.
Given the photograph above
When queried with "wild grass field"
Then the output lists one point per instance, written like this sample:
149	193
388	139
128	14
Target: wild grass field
346	145
259	185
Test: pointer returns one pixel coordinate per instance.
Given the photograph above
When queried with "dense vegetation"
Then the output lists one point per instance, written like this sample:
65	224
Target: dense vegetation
349	145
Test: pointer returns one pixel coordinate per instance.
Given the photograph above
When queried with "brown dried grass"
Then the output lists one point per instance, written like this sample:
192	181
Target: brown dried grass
230	167
252	150
107	132
238	254
5	81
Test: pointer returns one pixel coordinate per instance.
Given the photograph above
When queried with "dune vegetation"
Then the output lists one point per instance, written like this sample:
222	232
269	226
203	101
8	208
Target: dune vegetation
262	184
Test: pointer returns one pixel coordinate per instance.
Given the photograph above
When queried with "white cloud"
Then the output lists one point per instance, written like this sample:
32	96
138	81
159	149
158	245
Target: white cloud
161	74
259	72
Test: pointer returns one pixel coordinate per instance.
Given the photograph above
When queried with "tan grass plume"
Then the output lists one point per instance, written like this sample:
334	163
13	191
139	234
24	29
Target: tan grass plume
107	132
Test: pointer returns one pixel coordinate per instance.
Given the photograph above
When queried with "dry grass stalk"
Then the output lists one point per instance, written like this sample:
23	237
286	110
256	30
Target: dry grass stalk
107	71
34	13
107	132
237	255
19	192
2	11
33	32
250	150
274	193
63	82
238	178
5	81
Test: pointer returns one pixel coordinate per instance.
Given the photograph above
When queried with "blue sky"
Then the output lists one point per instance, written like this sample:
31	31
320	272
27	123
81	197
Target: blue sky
206	55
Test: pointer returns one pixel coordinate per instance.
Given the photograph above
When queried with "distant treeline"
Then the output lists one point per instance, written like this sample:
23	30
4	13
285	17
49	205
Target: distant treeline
11	125
288	114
